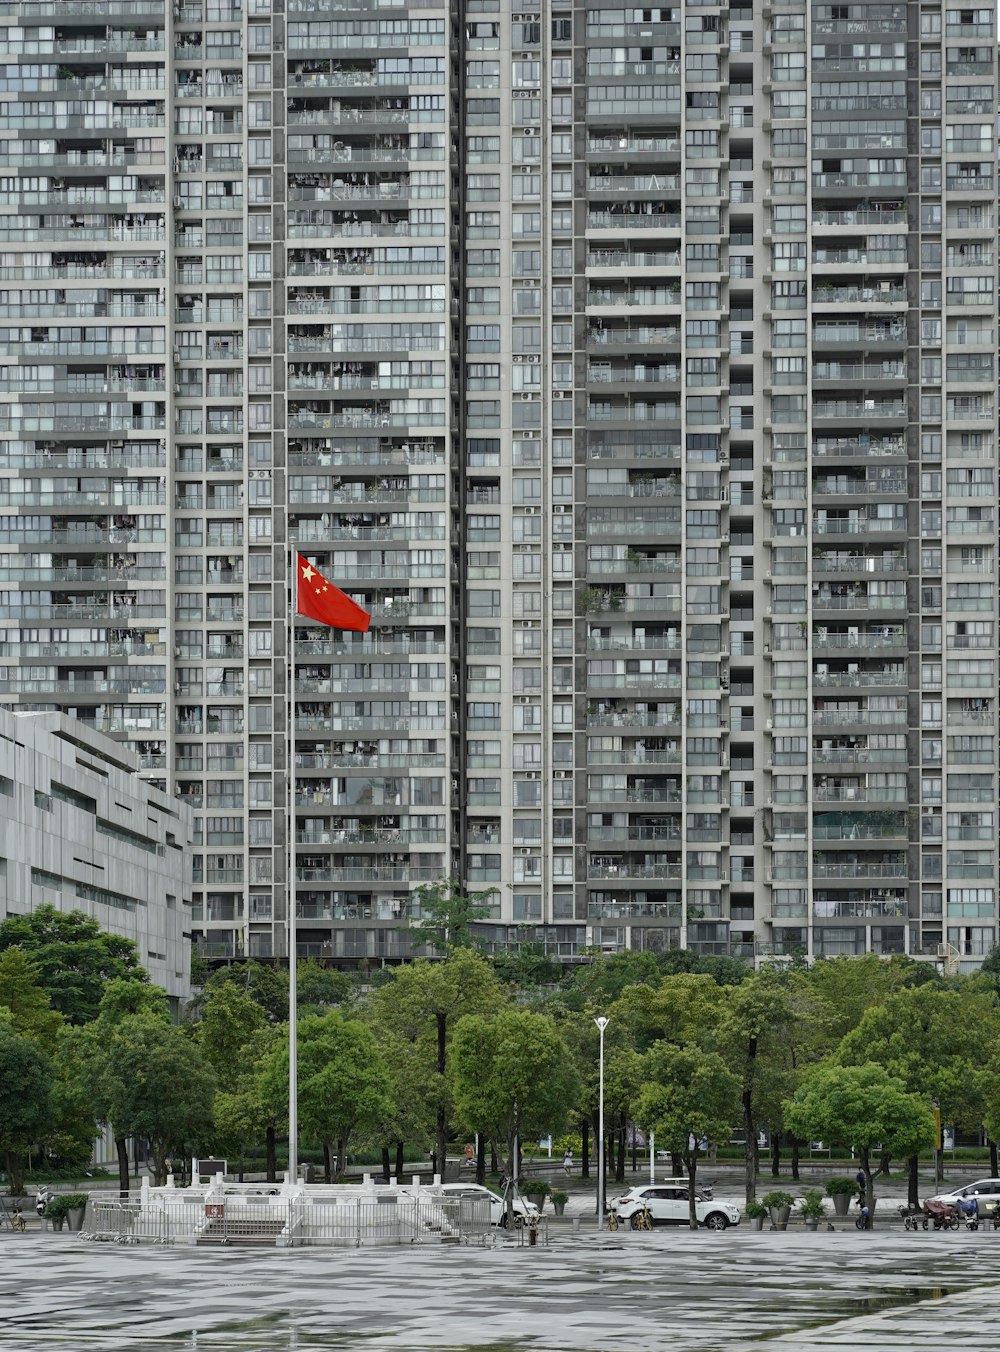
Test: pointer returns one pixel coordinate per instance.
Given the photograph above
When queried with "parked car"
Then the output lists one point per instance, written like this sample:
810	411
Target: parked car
498	1207
987	1190
668	1205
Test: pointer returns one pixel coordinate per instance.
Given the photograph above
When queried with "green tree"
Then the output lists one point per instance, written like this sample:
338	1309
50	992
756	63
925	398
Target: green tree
343	1085
230	1020
268	986
25	1100
88	1048
448	914
21	993
74	958
513	1077
679	1009
423	1003
320	987
750	1031
244	1110
937	1042
850	986
861	1107
689	1096
159	1088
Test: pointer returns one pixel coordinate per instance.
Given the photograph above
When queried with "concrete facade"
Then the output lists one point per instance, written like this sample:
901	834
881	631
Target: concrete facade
81	831
636	368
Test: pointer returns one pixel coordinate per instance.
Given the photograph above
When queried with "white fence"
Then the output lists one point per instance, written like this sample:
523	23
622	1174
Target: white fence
330	1217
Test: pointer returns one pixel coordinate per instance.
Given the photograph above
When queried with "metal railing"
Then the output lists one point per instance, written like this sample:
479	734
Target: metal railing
321	1217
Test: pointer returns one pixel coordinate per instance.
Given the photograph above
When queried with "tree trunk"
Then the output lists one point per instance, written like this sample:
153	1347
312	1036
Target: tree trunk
620	1161
866	1169
272	1156
913	1181
692	1168
508	1196
242	1168
15	1174
399	1161
585	1148
481	1159
775	1155
342	1157
749	1154
677	1169
386	1168
494	1158
796	1147
994	1162
121	1146
327	1163
635	1156
441	1125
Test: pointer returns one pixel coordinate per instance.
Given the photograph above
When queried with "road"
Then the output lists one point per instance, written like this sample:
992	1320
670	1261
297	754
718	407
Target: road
670	1291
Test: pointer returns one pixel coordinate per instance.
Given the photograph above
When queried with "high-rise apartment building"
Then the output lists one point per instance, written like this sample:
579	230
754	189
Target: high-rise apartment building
635	367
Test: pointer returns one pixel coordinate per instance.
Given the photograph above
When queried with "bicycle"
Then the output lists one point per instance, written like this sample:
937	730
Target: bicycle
642	1219
13	1217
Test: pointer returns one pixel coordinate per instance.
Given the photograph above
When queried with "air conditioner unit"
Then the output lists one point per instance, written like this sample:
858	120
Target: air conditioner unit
769	725
534	774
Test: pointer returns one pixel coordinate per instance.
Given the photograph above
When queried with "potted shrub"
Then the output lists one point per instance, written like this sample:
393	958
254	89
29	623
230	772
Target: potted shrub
536	1190
841	1190
559	1200
779	1204
811	1208
757	1213
68	1206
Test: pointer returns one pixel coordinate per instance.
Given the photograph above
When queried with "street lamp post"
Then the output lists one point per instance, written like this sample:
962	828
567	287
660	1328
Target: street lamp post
602	1023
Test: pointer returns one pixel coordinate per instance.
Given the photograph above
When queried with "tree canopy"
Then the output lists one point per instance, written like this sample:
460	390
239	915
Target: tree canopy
72	956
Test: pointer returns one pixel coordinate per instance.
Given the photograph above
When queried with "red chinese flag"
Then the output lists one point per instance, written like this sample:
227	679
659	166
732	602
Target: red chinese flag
320	600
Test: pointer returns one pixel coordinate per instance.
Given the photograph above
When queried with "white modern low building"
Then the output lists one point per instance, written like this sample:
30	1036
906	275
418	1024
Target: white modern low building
81	830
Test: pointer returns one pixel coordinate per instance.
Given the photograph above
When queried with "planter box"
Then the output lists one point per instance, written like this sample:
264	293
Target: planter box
842	1203
74	1218
757	1222
780	1215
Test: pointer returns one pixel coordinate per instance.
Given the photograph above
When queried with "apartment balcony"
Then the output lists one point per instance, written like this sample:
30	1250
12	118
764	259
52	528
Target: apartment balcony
626	868
849	826
851	597
859	564
861	446
883	293
861	870
877	484
859	410
633	910
635	562
641	336
869	908
344	115
864	333
852	679
866	213
857	792
854	523
639	373
665	640
649	751
650	297
859	373
855	752
859	715
665	716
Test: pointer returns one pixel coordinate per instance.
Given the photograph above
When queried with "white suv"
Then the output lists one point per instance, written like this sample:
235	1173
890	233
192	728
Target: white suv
668	1205
522	1208
986	1189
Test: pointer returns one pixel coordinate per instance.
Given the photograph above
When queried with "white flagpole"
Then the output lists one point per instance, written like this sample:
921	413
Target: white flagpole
292	889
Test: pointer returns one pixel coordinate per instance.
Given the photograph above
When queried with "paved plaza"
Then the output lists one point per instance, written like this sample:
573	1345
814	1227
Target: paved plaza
669	1290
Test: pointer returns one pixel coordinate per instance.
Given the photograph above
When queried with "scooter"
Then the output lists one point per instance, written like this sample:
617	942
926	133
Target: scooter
43	1196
